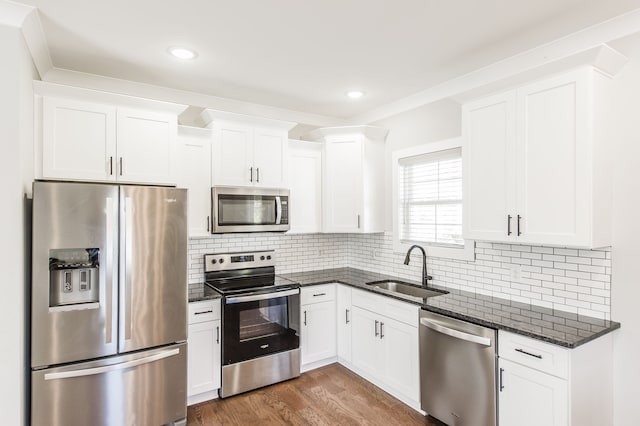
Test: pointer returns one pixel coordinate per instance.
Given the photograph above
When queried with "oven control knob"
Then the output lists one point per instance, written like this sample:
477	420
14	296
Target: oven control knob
268	257
261	257
214	261
221	260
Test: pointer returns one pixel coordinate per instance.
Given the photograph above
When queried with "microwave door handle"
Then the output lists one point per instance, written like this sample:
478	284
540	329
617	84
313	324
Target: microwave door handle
278	210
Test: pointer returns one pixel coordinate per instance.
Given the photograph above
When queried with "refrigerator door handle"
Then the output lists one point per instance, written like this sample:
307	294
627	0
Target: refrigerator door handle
109	256
126	264
114	367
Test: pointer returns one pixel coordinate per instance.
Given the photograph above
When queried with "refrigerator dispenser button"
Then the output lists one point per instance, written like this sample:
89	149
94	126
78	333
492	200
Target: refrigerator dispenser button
68	285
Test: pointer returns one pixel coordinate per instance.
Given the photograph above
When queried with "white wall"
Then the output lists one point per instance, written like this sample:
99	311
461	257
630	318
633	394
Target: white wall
430	123
16	134
625	285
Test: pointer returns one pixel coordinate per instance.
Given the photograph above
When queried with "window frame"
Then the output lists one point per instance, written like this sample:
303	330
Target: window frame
465	252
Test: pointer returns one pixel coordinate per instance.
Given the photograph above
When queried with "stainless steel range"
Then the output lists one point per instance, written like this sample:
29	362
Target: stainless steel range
260	320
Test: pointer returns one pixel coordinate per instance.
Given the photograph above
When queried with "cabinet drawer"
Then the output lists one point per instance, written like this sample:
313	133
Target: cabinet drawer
206	310
391	308
317	293
533	353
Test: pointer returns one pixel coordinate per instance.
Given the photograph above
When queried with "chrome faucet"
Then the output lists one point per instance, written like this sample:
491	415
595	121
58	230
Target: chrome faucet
425	277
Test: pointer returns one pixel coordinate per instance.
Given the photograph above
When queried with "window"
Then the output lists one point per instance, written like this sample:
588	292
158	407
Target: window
427	183
430	197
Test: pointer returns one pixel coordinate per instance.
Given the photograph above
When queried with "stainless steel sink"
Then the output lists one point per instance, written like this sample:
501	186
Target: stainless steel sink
406	289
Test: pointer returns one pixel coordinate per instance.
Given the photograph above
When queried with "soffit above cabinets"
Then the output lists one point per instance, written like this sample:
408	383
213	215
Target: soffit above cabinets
305	57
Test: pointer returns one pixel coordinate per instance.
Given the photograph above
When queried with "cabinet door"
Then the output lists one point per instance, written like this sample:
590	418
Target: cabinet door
269	157
146	147
366	347
78	140
203	371
344	318
531	398
553	150
233	155
305	184
489	168
194	173
401	367
318	332
343	185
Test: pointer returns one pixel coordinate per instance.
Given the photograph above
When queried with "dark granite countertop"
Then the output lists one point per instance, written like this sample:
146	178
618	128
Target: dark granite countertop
550	325
201	291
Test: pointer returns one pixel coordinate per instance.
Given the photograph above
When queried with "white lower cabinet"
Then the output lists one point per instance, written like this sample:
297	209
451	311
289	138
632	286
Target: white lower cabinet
545	384
203	377
344	319
318	334
384	349
530	397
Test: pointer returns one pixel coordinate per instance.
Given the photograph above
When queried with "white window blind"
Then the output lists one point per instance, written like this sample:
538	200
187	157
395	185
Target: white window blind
430	198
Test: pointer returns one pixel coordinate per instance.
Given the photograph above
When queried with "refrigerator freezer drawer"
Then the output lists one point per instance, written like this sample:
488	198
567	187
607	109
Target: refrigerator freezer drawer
145	388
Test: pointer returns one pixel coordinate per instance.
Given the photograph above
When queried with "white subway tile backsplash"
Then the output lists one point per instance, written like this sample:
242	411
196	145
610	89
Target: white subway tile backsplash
577	281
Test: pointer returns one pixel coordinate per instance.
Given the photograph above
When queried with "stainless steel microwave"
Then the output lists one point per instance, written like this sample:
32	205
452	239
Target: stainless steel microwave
242	209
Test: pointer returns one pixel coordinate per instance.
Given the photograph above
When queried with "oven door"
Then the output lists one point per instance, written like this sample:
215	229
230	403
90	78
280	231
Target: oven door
250	209
258	324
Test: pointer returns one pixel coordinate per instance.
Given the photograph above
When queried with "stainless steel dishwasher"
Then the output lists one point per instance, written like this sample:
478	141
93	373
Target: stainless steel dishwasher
457	371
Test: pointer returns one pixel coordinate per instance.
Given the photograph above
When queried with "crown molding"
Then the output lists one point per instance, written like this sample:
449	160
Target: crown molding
586	44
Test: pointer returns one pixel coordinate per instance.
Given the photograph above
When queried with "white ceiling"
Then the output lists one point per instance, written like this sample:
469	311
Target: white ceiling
304	55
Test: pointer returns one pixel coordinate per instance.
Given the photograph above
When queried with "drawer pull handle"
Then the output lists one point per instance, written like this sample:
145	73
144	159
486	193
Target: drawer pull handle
319	294
218	334
346	316
376	328
203	312
522	351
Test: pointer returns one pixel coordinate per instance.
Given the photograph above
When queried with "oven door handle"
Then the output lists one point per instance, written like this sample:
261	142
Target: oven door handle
260	296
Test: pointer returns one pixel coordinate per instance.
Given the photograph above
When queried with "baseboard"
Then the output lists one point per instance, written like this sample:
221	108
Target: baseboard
313	365
202	397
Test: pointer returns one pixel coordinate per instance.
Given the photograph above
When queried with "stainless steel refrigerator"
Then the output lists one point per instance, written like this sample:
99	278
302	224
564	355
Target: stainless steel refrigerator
108	305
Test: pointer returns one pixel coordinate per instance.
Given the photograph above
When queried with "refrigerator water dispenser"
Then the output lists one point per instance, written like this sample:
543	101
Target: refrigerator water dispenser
73	276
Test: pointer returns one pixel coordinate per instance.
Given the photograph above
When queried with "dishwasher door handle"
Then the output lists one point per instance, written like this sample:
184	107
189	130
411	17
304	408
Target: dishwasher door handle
484	341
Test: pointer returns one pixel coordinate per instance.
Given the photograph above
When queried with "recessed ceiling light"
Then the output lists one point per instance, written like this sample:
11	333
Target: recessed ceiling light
355	94
182	53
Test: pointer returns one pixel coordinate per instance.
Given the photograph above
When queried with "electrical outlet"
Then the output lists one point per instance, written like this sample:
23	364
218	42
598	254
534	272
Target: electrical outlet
515	272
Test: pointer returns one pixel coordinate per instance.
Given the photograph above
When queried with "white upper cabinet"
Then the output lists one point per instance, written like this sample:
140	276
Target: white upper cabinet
489	159
269	157
249	153
353	178
146	146
536	168
78	140
232	154
194	173
305	184
96	142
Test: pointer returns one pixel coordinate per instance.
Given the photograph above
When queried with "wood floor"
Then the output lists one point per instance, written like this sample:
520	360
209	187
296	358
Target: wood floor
330	395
